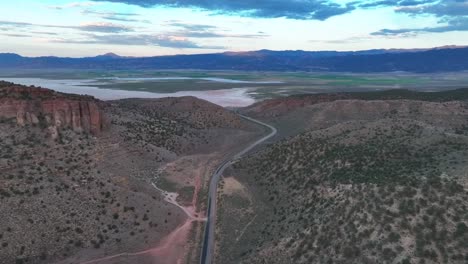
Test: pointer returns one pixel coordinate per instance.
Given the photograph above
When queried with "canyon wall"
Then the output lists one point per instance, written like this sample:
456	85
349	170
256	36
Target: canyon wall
50	109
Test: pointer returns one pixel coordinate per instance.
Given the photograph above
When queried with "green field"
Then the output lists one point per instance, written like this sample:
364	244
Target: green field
288	83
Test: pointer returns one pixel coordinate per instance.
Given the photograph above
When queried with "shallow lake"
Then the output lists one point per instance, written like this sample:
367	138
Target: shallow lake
236	97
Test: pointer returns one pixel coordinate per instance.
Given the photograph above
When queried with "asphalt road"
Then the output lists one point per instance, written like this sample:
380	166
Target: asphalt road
209	235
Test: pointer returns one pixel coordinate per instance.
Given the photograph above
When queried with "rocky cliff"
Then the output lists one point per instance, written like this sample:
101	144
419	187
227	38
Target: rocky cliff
50	109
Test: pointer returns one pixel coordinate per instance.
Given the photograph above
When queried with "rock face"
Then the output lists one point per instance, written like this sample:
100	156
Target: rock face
50	109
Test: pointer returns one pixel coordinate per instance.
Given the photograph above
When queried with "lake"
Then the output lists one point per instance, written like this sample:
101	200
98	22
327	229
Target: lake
235	97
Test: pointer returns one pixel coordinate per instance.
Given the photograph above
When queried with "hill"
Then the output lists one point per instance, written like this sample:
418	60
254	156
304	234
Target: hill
78	175
292	114
425	60
377	179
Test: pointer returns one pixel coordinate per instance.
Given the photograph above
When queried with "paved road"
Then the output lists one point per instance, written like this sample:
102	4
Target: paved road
208	239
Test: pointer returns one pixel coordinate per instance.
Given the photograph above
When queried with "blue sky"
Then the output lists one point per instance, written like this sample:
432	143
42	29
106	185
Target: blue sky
163	27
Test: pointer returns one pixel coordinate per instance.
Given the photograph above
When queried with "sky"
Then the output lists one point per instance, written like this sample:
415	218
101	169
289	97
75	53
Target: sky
73	28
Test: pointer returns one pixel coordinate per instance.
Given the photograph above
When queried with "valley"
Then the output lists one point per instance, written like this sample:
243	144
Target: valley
341	177
234	132
226	88
84	196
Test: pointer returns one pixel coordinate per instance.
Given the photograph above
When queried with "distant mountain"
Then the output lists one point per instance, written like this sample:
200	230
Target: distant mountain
448	58
109	55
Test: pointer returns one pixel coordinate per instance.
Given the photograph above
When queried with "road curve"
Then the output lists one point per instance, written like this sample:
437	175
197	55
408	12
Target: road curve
208	238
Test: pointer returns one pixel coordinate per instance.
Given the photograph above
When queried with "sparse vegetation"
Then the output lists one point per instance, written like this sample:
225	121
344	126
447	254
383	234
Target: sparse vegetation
75	191
382	189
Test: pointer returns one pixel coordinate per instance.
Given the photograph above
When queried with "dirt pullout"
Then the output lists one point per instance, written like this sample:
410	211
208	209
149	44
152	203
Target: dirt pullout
186	180
233	186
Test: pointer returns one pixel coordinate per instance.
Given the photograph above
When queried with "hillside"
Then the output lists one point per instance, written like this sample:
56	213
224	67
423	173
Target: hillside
271	109
361	181
291	115
444	59
77	185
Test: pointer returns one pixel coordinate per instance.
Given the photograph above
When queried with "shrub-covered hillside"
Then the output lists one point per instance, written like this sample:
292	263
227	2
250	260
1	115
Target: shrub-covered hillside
391	189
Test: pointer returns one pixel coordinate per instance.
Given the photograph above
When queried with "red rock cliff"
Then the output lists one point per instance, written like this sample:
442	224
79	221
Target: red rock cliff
39	106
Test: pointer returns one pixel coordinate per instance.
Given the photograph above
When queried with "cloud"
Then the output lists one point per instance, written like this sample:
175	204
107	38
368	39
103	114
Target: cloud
101	27
194	27
355	39
73	5
104	27
452	24
45	33
216	35
305	9
115	16
439	8
293	9
15	23
116	34
16	35
452	14
139	40
205	31
121	19
394	3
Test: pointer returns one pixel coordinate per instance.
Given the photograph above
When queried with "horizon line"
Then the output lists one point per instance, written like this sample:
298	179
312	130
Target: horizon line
112	54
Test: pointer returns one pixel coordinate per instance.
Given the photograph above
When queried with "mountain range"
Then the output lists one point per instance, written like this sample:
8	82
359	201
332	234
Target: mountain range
447	58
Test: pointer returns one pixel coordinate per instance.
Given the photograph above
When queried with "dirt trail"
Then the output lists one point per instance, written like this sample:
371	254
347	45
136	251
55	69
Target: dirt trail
174	241
171	244
173	248
171	198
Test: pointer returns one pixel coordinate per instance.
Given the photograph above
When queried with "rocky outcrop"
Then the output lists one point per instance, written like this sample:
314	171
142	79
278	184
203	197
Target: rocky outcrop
50	109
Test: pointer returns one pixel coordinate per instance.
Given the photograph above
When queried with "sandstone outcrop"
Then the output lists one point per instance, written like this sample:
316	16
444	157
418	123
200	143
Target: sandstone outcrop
50	109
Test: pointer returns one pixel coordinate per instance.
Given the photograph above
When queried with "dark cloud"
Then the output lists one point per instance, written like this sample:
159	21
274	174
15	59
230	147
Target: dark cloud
422	7
453	24
308	9
452	14
394	3
439	8
139	40
293	9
